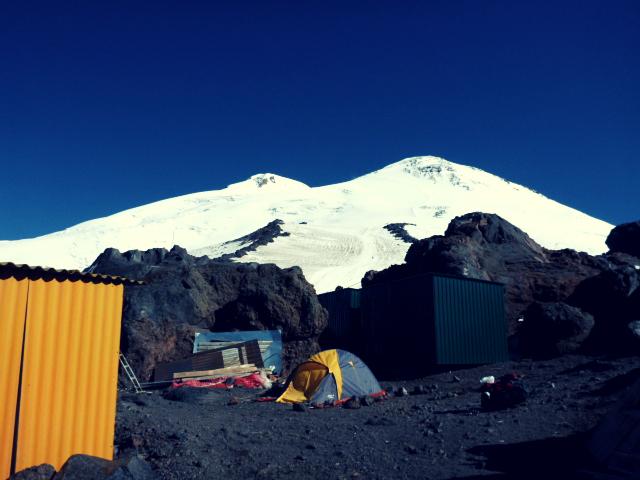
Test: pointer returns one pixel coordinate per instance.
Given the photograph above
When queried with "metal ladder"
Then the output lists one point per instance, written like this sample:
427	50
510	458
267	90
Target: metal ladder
129	371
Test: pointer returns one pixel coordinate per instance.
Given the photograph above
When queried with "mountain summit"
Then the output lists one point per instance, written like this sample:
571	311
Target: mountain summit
266	182
335	233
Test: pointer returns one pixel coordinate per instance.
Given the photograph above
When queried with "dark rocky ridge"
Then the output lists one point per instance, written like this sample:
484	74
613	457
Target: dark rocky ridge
485	246
258	238
399	231
183	293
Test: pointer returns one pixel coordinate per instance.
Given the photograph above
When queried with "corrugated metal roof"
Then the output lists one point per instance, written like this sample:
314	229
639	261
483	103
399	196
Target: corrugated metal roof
445	275
21	271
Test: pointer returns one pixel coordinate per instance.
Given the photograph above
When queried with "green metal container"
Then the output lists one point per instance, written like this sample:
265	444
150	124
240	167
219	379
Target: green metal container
433	320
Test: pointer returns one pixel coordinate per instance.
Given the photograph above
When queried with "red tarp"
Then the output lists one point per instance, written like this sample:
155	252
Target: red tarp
253	380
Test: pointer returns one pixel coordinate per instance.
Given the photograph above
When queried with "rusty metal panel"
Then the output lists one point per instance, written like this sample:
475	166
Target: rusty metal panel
13	306
243	353
69	384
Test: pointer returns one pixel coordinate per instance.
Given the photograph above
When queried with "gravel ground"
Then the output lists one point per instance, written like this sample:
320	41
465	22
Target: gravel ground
441	434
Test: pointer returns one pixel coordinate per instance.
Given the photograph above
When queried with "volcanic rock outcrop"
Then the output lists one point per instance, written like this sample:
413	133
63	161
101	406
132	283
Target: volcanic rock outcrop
258	238
625	238
182	293
485	246
613	297
553	329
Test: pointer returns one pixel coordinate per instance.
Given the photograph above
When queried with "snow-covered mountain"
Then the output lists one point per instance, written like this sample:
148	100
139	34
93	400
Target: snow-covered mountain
335	233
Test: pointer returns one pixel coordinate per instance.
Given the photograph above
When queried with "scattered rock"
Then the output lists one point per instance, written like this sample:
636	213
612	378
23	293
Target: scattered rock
401	392
233	401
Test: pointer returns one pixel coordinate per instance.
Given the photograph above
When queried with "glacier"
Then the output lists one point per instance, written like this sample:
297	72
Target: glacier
335	232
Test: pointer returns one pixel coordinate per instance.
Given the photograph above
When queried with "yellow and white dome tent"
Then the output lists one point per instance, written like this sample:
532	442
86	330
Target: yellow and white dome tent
331	375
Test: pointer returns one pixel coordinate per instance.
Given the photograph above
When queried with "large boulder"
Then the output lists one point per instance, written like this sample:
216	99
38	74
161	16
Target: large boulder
613	298
487	247
38	472
625	238
182	293
608	293
551	329
86	467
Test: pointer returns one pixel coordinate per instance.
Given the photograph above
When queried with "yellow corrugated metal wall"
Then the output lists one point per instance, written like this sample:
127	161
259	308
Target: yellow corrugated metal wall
69	381
69	370
13	306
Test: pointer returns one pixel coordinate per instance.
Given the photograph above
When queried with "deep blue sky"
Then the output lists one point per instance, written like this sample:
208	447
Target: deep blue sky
109	105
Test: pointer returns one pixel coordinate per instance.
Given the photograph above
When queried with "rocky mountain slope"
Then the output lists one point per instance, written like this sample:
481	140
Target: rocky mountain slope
335	233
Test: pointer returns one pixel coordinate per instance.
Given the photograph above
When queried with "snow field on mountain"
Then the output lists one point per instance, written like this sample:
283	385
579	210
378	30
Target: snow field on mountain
336	231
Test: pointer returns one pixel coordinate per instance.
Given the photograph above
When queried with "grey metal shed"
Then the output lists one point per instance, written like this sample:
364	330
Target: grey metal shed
345	318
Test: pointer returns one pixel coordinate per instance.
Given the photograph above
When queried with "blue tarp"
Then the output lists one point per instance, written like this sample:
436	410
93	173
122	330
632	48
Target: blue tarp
272	357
